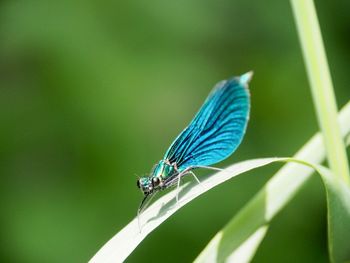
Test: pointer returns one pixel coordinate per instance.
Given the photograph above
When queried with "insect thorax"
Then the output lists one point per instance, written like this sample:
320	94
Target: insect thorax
164	170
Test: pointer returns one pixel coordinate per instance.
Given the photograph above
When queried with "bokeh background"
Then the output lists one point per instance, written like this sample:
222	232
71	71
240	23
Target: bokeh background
93	92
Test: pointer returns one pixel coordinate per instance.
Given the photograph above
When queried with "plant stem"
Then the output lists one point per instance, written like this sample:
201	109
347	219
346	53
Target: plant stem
321	85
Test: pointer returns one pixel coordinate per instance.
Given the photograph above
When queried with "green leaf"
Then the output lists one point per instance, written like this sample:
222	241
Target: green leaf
227	245
232	241
244	253
337	184
338	202
321	85
123	243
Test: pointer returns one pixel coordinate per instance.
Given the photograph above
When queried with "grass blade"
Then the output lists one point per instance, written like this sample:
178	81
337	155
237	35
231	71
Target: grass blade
321	85
227	245
338	203
124	242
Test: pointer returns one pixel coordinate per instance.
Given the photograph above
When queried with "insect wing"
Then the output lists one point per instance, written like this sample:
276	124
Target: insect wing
218	127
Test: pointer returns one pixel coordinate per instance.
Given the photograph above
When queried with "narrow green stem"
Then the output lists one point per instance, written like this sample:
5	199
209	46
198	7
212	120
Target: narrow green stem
321	85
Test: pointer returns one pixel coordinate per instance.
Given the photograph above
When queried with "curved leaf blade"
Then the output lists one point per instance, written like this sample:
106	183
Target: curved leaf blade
123	243
338	204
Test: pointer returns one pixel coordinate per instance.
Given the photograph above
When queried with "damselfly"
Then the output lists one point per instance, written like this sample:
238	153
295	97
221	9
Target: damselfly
213	135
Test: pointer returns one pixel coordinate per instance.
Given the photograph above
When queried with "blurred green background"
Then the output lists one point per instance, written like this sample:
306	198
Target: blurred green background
93	92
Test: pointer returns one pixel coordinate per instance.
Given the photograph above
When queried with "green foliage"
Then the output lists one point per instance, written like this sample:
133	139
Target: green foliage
124	242
338	203
241	237
337	183
321	85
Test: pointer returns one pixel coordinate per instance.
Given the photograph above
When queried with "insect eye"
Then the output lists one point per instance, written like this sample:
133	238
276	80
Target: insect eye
138	184
155	181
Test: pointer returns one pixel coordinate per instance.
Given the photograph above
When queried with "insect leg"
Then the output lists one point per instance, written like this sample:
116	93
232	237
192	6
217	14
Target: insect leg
189	170
144	204
178	187
186	171
195	177
140	209
209	167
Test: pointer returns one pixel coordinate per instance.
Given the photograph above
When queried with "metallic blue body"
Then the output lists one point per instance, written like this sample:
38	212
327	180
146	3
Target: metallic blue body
214	134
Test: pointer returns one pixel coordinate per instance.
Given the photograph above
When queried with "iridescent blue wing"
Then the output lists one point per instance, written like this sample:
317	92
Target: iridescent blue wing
217	129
